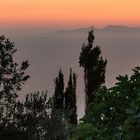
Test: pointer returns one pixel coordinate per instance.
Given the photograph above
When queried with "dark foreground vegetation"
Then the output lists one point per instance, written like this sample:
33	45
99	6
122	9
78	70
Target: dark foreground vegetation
110	114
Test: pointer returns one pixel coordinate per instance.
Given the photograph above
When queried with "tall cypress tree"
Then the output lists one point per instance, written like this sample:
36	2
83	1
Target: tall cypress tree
94	67
58	98
70	99
58	128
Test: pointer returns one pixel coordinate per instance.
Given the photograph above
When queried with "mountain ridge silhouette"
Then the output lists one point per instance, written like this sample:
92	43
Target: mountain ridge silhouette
108	28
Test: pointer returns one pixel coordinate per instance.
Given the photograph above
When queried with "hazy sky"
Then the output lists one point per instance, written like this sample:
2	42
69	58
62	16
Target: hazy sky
69	13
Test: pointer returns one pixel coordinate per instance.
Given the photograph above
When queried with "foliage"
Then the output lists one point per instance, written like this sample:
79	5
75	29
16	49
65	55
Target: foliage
70	99
33	116
36	116
85	131
58	128
63	110
57	124
12	77
115	113
58	97
94	68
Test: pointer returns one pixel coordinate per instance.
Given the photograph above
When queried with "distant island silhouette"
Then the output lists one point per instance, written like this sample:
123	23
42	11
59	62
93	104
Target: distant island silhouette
108	28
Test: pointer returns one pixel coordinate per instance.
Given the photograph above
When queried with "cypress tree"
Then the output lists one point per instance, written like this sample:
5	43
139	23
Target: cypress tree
58	98
58	128
94	67
70	99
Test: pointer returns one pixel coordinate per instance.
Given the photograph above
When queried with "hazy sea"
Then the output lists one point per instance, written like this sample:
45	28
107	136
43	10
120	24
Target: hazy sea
47	52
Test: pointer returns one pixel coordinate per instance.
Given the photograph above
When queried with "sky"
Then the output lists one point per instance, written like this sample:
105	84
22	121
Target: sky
69	13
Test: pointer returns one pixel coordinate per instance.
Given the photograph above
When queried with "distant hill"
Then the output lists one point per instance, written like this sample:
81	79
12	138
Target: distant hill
118	28
109	28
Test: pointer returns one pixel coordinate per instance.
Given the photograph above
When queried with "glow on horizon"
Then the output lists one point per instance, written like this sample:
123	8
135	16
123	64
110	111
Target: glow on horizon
69	13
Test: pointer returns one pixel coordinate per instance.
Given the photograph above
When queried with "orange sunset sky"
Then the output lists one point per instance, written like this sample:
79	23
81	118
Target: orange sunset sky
69	13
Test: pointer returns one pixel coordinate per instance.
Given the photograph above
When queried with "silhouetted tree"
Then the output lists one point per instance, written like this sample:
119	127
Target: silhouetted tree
34	119
115	114
70	99
94	67
58	126
58	98
12	77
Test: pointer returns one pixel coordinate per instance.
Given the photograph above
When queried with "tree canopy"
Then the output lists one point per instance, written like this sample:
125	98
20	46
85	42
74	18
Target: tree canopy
115	113
12	77
94	68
